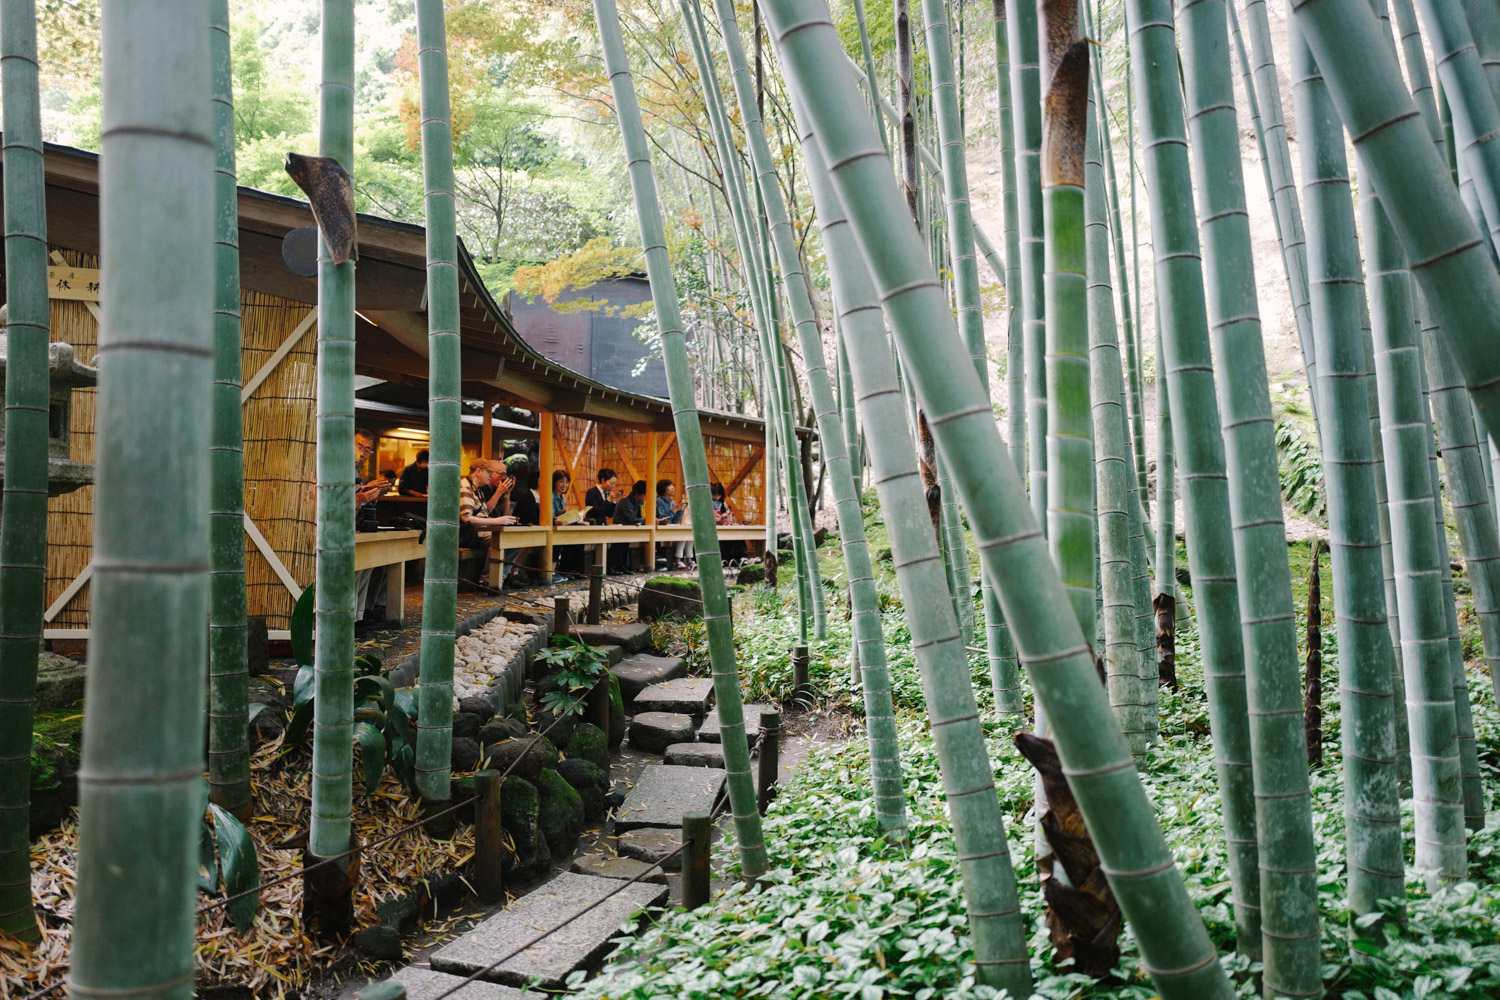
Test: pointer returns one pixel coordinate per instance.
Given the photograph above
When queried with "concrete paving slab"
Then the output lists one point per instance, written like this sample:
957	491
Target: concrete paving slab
634	636
650	844
688	695
425	984
618	868
642	670
696	754
576	945
655	731
709	731
665	793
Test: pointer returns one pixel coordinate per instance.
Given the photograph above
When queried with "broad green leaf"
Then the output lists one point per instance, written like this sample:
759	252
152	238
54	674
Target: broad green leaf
304	616
241	868
374	686
303	692
371	753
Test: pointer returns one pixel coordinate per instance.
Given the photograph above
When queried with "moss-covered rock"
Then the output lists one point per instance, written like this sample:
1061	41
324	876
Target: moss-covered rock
559	729
751	573
560	814
520	811
785	557
588	744
616	713
591	783
528	754
670	597
56	749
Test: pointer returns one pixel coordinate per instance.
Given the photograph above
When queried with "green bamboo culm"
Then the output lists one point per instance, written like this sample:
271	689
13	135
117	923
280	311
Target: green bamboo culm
333	658
1174	944
1114	471
1026	367
23	514
1447	257
141	797
990	894
1070	446
1372	807
1005	671
444	415
885	757
1436	776
228	629
690	446
1251	669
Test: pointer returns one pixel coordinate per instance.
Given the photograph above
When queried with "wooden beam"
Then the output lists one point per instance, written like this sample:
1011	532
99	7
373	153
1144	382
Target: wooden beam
660	453
745	470
609	434
277	566
69	592
275	360
544	485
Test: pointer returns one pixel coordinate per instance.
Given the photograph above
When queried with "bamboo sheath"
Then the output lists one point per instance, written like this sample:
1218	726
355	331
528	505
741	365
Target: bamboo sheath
885	759
23	515
716	619
228	630
1113	469
1025	90
1436	779
1251	666
1070	450
444	415
995	924
1372	808
1446	254
141	798
333	712
1174	944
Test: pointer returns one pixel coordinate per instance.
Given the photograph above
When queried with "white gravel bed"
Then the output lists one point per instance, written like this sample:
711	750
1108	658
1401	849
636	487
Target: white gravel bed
482	656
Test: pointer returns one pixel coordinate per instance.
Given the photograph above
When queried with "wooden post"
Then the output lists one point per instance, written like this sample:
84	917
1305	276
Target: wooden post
596	708
561	616
489	882
801	686
395	593
650	511
770	756
545	465
596	587
696	833
388	990
487	431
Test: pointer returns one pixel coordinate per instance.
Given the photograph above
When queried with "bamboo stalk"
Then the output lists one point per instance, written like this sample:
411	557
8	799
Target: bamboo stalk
1025	88
690	446
444	415
23	515
1174	944
141	788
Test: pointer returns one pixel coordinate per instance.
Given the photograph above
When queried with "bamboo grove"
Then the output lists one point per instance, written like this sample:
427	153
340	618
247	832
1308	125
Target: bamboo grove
841	154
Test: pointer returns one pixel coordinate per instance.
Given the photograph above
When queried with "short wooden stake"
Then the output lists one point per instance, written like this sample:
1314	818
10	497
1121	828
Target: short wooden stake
388	990
597	705
801	685
770	756
561	616
596	587
489	863
696	834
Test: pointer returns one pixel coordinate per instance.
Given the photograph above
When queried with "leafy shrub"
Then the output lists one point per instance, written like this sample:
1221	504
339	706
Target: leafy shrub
1301	472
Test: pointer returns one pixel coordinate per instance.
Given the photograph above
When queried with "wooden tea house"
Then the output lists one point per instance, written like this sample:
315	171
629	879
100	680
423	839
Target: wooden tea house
560	418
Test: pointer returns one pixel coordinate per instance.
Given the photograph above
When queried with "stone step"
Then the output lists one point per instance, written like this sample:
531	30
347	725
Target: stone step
642	670
578	945
709	731
612	654
618	868
424	984
634	636
652	843
655	731
688	695
696	754
665	793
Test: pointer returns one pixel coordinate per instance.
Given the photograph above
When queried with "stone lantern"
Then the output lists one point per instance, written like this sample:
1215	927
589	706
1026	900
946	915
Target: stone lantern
63	474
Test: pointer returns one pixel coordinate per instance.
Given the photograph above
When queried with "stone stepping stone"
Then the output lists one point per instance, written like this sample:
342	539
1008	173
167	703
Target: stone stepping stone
655	731
687	695
650	844
709	731
643	670
634	636
424	984
612	654
696	754
665	793
579	945
618	868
